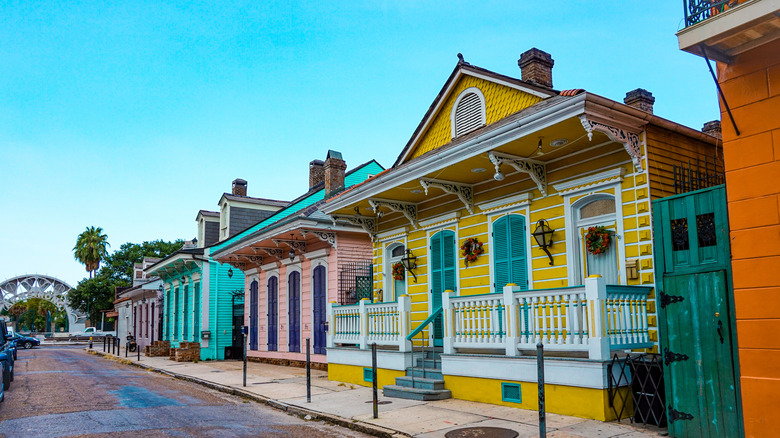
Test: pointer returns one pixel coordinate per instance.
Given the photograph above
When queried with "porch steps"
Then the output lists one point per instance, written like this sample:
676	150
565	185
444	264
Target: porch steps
423	382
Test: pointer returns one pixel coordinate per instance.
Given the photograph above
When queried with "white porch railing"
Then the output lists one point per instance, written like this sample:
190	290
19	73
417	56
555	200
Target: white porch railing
593	318
367	323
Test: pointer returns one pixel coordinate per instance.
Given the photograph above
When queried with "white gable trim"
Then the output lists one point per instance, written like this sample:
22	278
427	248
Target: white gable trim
447	93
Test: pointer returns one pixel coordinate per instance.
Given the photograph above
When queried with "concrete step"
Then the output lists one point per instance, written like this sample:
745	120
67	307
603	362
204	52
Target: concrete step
416	393
428	373
419	382
429	363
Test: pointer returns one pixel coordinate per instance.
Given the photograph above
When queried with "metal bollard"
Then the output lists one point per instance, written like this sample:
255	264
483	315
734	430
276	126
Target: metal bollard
308	371
118	346
127	344
90	342
540	372
374	379
138	350
104	344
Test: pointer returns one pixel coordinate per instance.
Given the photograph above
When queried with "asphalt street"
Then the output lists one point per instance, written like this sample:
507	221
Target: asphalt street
63	391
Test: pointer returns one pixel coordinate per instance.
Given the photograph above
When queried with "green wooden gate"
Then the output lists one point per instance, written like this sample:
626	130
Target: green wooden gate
696	318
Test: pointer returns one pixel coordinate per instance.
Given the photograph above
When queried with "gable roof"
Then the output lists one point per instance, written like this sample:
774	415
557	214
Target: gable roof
251	200
305	205
464	68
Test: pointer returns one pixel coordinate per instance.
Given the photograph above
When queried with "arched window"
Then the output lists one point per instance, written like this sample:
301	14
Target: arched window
468	112
509	252
599	210
394	288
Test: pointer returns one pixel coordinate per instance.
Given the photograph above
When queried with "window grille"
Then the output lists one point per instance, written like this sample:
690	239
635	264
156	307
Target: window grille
355	282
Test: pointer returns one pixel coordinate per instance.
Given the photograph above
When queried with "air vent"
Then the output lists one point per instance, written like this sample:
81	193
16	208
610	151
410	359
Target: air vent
510	392
469	113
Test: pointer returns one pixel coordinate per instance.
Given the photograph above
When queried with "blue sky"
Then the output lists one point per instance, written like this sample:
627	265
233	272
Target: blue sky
132	116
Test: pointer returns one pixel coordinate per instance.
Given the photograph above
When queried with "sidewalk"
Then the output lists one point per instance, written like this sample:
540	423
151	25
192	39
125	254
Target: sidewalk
350	405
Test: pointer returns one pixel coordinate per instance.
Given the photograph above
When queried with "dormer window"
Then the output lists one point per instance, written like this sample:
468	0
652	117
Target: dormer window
468	112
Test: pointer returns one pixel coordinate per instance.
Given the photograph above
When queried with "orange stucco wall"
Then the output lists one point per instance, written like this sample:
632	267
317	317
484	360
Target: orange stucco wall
751	85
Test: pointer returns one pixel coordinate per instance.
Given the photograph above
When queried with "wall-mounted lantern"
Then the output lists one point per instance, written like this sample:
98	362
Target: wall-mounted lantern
230	272
543	235
410	263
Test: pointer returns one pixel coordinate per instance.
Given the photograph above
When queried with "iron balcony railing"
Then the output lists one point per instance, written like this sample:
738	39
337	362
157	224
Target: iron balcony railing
700	10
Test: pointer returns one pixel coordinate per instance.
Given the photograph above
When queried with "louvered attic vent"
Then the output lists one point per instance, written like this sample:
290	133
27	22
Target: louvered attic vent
469	114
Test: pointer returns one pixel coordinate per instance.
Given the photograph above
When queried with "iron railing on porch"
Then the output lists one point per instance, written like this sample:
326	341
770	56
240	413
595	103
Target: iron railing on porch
700	10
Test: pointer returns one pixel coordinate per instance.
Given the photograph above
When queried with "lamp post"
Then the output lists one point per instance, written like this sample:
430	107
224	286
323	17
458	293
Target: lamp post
543	235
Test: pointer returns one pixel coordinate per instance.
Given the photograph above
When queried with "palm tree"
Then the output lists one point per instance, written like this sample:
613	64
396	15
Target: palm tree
90	248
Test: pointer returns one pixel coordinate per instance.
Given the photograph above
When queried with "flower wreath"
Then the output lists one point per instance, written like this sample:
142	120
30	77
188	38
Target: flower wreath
472	248
398	271
597	240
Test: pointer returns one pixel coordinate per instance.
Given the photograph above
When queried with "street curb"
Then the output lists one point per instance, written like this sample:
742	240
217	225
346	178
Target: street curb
297	411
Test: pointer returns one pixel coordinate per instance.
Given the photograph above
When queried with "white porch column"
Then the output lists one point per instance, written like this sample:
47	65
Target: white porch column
512	328
596	295
404	309
448	321
363	324
331	324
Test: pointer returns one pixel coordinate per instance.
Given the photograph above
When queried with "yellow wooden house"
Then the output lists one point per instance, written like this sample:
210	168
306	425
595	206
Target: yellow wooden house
515	215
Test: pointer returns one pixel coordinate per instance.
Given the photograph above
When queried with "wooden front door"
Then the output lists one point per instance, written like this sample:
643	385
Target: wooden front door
294	312
273	313
695	308
253	309
319	294
443	265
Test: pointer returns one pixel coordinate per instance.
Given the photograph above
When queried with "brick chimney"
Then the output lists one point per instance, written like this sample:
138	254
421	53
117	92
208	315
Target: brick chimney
335	167
536	67
316	172
640	99
713	128
239	187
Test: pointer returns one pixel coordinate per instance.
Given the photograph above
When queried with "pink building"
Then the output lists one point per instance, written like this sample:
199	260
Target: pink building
297	261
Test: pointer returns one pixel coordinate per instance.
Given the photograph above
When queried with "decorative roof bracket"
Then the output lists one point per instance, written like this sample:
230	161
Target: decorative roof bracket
408	209
322	235
253	259
295	245
367	223
629	140
536	169
464	192
273	252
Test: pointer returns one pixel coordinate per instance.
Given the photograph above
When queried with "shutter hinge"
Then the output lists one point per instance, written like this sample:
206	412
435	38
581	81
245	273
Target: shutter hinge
670	356
675	415
667	299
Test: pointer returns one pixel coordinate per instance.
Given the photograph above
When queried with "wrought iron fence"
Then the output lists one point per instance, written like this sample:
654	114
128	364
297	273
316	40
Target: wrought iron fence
355	282
642	374
700	10
696	176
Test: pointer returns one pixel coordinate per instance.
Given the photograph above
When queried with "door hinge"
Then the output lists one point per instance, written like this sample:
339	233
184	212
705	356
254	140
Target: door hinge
670	356
667	299
675	415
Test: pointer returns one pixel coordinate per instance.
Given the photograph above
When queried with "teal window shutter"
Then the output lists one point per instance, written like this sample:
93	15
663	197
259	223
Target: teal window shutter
435	260
509	252
500	249
517	252
448	263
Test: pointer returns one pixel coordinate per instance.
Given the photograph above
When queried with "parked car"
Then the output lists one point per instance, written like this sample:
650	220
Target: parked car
25	342
91	331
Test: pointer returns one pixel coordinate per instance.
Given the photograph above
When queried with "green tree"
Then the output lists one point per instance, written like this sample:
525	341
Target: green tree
119	265
35	313
92	295
90	249
98	293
